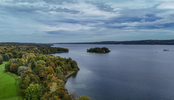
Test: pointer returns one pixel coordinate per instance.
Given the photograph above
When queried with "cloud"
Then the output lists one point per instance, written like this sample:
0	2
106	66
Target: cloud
65	10
46	1
29	7
56	32
60	1
85	20
102	6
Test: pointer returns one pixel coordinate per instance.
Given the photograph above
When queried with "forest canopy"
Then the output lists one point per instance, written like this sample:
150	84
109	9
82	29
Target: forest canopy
43	76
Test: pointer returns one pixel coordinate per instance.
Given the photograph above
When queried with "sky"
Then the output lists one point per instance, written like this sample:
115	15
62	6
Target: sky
57	21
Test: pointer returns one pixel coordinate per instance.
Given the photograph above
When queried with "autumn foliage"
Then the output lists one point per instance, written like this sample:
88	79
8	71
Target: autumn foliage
42	75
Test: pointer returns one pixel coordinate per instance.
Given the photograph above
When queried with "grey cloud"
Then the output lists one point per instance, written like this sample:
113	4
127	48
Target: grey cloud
46	1
65	10
32	8
124	18
157	26
102	6
46	16
60	1
56	32
63	34
21	8
23	1
143	11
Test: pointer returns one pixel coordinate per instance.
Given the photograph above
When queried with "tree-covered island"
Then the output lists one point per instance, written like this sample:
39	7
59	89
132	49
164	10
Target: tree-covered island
98	50
41	76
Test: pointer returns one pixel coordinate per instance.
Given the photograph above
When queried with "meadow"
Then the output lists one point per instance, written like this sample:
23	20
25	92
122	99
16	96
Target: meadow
9	85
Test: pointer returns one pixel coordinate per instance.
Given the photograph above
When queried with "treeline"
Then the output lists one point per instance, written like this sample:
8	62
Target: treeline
42	75
22	44
133	42
140	42
99	50
10	51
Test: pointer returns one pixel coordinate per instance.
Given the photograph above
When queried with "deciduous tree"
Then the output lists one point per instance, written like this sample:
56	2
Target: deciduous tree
33	92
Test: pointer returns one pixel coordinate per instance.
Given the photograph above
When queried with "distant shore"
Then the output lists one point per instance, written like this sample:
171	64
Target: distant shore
132	42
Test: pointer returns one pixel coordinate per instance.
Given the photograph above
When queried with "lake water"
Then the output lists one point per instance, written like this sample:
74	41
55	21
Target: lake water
128	72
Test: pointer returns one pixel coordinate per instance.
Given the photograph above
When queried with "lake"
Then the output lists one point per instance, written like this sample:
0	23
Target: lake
128	72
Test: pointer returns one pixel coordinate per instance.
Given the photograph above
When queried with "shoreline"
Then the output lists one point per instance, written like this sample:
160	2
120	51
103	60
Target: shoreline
69	75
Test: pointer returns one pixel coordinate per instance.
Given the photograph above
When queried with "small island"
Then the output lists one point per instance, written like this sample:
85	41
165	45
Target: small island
166	50
98	50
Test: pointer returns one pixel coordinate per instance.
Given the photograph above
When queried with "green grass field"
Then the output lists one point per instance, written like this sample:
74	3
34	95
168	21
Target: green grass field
9	85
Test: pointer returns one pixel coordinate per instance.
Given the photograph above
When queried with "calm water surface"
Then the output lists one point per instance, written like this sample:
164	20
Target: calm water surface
128	72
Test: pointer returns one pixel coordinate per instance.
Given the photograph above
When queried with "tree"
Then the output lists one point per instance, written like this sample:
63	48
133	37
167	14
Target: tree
49	70
74	65
28	77
41	57
1	59
14	68
57	70
84	98
46	96
73	96
40	71
21	62
34	78
32	64
7	66
24	85
31	56
40	62
6	57
52	65
31	60
59	63
22	69
33	92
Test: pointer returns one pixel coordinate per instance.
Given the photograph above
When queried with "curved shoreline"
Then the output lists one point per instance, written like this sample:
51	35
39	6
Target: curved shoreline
69	75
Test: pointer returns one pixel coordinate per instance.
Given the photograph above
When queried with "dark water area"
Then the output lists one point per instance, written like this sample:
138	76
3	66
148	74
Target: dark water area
128	72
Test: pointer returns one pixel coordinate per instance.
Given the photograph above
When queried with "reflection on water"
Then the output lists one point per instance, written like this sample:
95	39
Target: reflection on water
128	72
